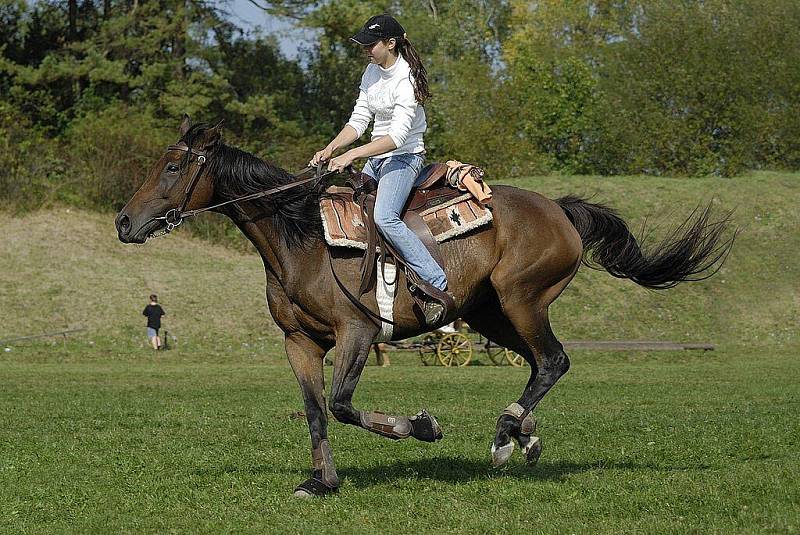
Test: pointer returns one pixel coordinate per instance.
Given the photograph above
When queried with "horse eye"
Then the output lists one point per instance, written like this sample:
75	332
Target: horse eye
172	168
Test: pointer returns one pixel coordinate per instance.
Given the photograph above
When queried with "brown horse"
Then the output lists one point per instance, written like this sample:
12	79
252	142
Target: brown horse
503	277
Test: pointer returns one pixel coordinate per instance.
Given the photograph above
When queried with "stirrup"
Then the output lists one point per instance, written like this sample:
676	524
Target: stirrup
433	312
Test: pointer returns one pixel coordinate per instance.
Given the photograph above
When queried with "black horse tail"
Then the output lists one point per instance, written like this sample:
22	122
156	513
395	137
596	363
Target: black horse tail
694	251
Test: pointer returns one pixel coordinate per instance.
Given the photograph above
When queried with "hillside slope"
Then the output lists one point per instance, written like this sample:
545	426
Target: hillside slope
64	268
755	298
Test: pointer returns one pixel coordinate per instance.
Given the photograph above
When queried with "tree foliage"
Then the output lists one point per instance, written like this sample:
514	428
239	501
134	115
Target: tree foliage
520	86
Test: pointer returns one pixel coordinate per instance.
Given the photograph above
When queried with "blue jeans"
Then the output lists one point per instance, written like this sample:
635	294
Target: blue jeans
396	175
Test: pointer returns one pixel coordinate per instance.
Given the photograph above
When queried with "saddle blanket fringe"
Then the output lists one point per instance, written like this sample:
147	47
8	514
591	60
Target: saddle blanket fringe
341	219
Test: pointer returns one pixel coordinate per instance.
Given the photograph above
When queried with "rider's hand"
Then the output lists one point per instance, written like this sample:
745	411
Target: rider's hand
321	156
340	162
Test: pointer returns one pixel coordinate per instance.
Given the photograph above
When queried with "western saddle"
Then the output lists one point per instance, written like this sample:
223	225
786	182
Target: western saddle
432	190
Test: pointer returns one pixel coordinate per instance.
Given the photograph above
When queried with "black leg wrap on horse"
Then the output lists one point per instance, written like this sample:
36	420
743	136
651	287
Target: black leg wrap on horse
313	487
425	427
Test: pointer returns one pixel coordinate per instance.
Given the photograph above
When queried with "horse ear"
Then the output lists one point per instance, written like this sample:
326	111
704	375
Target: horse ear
186	123
217	128
213	134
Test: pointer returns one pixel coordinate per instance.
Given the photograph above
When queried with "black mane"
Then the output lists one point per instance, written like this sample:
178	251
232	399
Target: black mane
295	212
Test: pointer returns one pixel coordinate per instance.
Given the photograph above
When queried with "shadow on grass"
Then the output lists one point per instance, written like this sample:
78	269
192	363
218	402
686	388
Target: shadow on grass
455	470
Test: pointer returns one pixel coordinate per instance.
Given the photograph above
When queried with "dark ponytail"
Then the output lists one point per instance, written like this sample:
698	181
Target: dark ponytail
406	49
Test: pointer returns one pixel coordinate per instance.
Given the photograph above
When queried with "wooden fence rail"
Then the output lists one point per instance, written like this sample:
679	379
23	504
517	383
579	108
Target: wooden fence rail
636	345
45	335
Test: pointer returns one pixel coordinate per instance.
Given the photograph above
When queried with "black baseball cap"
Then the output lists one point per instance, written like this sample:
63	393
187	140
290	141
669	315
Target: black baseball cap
378	27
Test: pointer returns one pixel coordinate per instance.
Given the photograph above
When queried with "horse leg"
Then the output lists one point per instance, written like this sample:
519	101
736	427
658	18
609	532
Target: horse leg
306	358
551	362
492	323
352	351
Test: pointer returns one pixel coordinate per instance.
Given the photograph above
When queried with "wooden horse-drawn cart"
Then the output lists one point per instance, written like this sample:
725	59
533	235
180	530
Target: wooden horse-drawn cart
456	347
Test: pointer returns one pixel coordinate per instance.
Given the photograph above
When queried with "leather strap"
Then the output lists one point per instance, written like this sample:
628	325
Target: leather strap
367	206
374	318
418	226
362	184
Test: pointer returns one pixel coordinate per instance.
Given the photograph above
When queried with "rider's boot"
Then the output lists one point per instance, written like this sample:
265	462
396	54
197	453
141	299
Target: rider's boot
434	311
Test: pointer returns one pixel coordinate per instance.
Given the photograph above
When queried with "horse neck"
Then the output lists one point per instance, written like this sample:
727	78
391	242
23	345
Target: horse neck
286	263
259	226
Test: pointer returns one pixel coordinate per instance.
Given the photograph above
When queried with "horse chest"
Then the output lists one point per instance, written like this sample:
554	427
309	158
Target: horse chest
291	316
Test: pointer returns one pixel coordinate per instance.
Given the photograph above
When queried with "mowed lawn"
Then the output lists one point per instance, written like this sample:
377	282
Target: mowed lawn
659	442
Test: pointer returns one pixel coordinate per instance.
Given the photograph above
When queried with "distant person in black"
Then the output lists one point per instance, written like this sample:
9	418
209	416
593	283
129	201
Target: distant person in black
153	311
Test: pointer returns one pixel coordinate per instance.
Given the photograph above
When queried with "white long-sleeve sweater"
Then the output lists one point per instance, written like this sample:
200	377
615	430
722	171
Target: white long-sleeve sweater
387	95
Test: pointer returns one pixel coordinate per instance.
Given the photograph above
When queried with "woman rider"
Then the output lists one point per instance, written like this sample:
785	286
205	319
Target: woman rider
393	89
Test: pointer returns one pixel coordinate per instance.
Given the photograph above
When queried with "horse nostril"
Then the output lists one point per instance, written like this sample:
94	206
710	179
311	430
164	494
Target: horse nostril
123	224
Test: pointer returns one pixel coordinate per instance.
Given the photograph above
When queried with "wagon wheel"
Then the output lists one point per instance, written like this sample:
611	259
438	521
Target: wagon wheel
454	349
500	355
427	351
496	353
514	359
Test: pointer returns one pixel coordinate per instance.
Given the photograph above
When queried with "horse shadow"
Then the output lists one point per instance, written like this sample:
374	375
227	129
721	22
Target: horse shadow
448	469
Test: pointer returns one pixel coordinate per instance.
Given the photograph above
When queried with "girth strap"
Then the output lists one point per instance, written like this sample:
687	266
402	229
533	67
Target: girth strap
367	205
418	226
355	300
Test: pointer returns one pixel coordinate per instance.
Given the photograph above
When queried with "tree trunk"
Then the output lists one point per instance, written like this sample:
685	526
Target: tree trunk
72	32
179	39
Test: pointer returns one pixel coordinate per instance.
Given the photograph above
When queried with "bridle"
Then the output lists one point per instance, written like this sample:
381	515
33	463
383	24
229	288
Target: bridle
175	216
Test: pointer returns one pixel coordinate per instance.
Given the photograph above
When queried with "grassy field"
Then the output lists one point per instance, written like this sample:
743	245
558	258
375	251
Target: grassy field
98	434
667	443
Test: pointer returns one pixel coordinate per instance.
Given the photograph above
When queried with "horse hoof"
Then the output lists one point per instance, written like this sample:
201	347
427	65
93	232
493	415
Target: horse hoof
533	450
313	487
425	427
502	454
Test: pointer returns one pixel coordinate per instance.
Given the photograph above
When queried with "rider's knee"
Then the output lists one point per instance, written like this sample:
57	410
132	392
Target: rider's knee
386	219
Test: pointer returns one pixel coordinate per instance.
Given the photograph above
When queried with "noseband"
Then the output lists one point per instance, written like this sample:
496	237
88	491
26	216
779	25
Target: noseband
175	216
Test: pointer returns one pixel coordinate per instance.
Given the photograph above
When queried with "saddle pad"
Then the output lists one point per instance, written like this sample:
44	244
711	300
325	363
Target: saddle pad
341	218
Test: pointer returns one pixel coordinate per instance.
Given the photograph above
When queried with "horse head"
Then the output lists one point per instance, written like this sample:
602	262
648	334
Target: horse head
178	181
